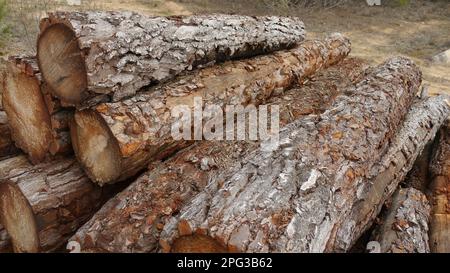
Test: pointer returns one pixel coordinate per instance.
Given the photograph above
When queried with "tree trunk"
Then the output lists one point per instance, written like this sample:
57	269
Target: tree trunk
404	227
86	56
33	127
114	141
440	194
59	194
294	198
140	211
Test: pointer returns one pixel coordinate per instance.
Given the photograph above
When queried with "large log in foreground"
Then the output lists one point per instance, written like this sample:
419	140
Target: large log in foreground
26	100
293	198
114	141
404	227
42	205
420	126
440	194
133	219
86	54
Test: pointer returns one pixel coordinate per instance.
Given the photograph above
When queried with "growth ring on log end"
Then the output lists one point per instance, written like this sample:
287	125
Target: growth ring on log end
27	113
61	62
95	147
17	217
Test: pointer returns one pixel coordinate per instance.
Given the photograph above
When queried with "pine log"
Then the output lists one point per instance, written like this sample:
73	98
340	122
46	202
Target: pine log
14	207
132	220
114	141
404	227
86	56
59	194
440	194
295	197
420	127
34	129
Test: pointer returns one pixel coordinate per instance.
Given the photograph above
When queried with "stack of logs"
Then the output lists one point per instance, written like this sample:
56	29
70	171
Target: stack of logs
89	162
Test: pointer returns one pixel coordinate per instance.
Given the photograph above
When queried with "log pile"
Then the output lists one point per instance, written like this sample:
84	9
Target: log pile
136	131
356	149
162	191
260	205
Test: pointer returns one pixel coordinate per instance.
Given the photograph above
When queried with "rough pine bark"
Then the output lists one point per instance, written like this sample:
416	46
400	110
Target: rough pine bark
440	193
91	56
114	141
59	194
294	198
133	219
34	129
420	127
404	227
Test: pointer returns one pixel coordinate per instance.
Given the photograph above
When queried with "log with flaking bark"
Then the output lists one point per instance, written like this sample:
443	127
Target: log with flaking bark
115	140
84	56
419	127
34	129
42	205
293	197
404	226
132	220
440	194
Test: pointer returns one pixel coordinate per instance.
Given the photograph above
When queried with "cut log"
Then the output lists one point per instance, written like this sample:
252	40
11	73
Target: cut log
85	56
440	194
27	114
404	227
295	197
132	220
59	194
32	124
114	141
420	127
18	219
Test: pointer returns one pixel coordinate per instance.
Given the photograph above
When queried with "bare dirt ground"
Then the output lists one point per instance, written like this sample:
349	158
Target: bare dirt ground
418	30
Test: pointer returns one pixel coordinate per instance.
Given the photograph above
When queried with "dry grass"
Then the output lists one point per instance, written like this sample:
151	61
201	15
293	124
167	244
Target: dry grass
23	17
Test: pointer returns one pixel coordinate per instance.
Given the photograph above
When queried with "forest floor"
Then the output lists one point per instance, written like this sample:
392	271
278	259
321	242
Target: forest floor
418	30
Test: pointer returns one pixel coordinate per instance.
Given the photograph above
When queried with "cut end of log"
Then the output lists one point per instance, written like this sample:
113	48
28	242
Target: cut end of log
197	243
95	147
27	113
61	63
18	219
